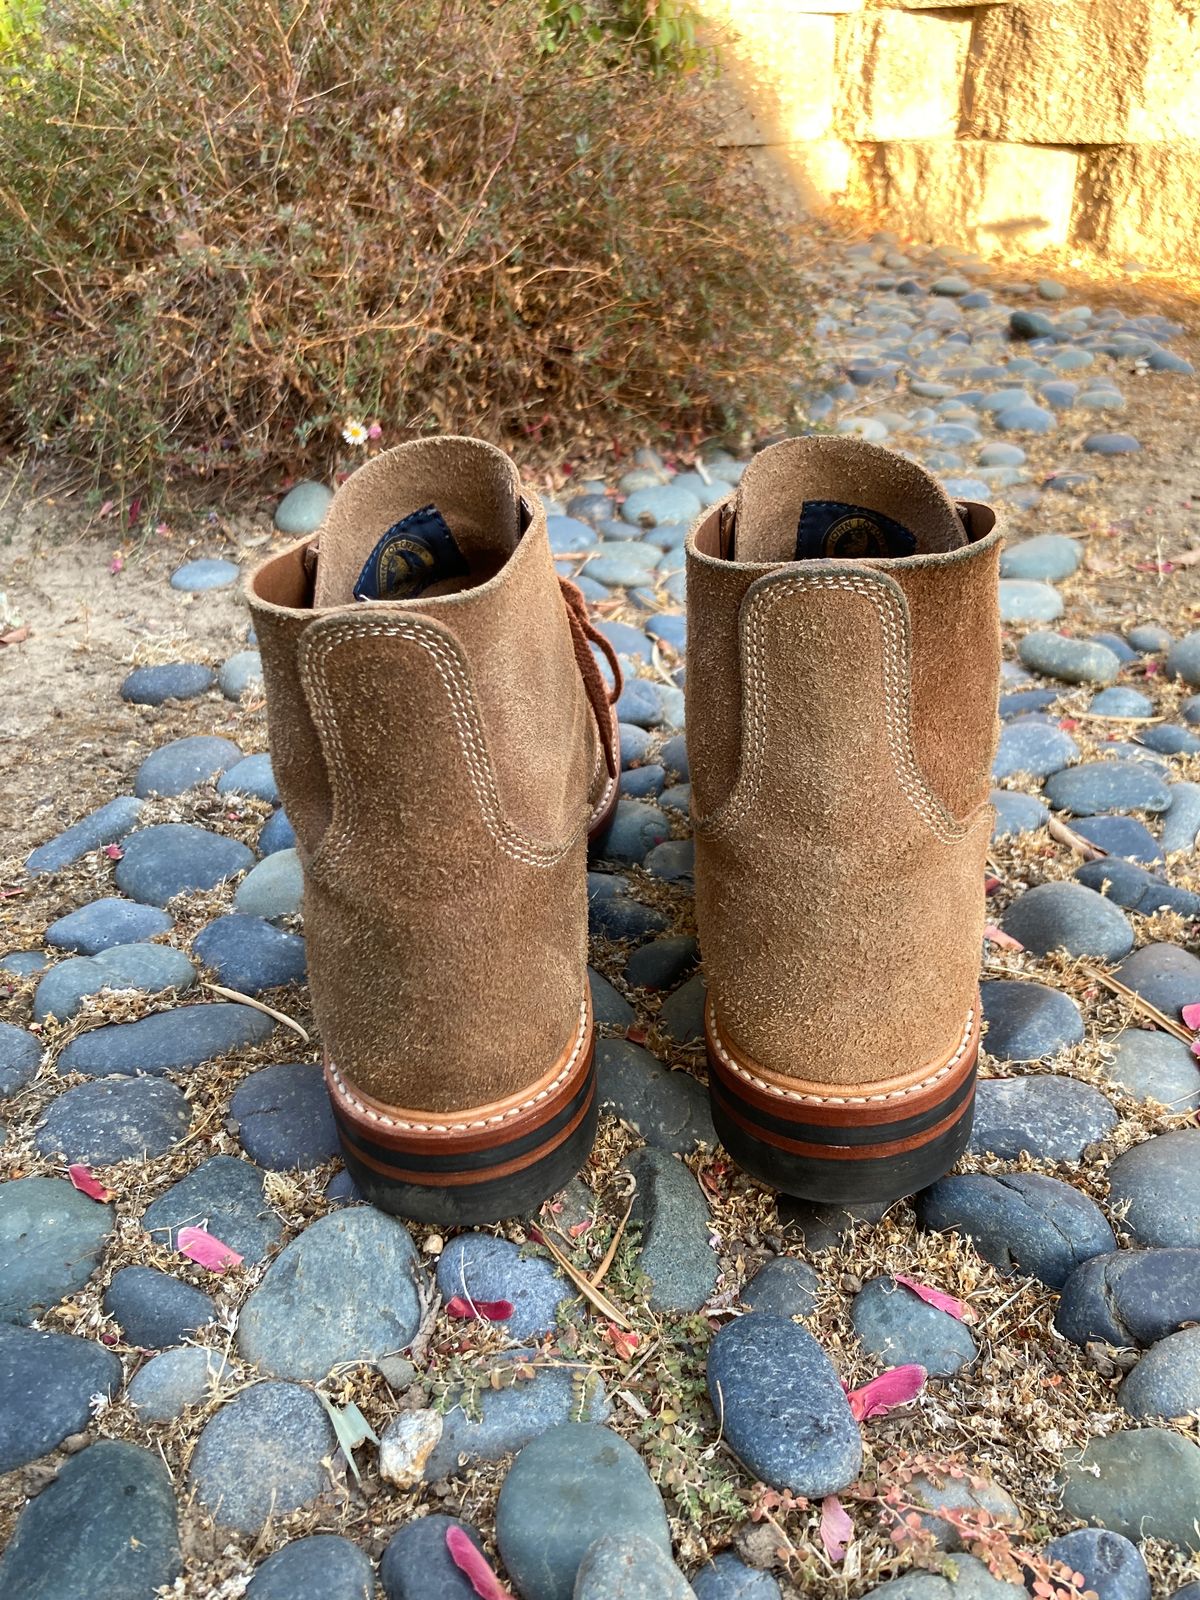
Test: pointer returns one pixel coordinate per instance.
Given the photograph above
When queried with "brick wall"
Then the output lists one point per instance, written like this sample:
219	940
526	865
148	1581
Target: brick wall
1005	125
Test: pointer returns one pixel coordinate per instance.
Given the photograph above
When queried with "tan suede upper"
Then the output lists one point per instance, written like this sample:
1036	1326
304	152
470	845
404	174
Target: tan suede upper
439	760
841	723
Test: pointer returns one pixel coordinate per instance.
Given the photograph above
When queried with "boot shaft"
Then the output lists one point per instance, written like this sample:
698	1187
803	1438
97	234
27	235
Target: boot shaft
842	679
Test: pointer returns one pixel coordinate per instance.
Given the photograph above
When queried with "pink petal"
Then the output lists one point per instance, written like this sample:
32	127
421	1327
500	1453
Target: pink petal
836	1527
113	852
935	1297
200	1246
489	1310
892	1388
474	1566
86	1183
1191	1016
995	935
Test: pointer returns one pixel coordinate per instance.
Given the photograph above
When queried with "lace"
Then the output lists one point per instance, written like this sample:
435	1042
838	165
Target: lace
583	635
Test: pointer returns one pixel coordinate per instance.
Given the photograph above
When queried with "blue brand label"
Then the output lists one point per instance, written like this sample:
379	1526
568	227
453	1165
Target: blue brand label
413	554
836	531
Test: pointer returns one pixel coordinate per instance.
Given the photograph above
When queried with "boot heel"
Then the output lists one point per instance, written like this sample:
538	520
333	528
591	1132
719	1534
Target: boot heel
877	1142
480	1165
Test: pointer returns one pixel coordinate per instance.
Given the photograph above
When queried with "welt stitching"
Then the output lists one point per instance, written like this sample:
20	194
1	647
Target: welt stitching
844	1099
897	705
464	716
348	1095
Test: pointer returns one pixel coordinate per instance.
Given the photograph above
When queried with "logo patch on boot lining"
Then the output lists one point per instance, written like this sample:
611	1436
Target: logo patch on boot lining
837	531
413	554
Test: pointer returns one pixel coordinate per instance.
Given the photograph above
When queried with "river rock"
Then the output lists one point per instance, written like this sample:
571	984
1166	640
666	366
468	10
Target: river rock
1020	1222
262	1455
47	1381
51	1240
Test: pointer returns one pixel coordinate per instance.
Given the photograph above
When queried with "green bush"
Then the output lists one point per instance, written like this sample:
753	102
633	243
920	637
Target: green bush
225	229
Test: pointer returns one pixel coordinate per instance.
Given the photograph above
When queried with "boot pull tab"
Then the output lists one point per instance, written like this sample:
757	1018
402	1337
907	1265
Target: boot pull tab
583	636
726	527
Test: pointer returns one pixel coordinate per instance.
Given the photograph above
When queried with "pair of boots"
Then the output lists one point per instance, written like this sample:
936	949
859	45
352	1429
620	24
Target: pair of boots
445	744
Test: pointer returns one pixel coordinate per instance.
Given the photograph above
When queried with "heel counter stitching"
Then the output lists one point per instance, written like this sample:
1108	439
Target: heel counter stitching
892	615
464	712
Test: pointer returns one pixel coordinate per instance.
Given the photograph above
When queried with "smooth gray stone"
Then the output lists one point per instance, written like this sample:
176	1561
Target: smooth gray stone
493	1423
303	508
180	765
241	672
636	828
252	776
726	1577
284	1118
477	1266
610	1008
1124	883
323	1566
416	1564
661	963
1123	837
138	968
1130	1298
1027	1021
623	1566
262	1455
167	1041
959	1494
781	1406
1047	557
174	857
1047	1115
1110	787
276	834
1157	1183
1143	1482
107	825
47	1381
661	503
1070	917
250	954
613	913
900	1327
1069	660
1149	637
51	1240
669	1109
1033	745
969	1579
1166	1381
1164	974
114	1119
1111	1565
194	577
1027	600
20	1057
22	964
1122	702
674	860
1181	821
1183	659
1016	814
565	1490
168	1383
155	1310
177	680
675	1220
105	1529
101	924
1154	1066
274	888
224	1194
1020	1222
682	1013
821	1227
344	1290
783	1287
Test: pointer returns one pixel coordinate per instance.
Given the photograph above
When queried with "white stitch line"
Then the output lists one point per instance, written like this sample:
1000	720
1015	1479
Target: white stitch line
466	722
844	1099
897	704
466	1127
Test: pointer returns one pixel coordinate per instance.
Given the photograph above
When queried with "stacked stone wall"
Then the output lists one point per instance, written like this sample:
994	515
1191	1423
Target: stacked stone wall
1006	125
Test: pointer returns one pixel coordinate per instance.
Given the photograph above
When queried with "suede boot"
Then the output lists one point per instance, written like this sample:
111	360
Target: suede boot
443	741
843	668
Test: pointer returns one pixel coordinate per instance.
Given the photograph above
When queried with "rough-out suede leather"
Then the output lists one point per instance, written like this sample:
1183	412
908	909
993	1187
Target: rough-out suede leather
438	758
841	723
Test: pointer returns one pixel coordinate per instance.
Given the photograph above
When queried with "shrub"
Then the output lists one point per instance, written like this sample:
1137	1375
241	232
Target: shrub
225	228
